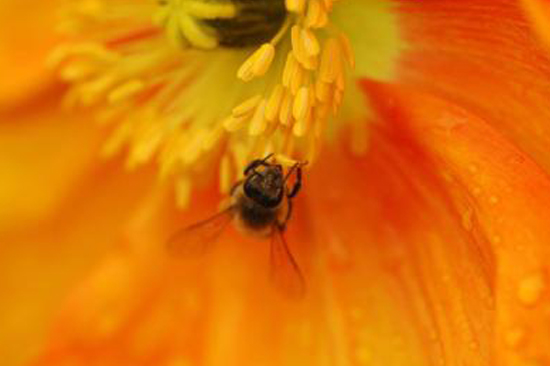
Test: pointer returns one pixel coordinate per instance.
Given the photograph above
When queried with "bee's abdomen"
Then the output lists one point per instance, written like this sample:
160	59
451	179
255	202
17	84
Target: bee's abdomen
256	22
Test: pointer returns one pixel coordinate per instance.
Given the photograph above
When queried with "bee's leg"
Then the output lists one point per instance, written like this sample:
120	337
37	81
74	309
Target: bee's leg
235	186
288	214
298	184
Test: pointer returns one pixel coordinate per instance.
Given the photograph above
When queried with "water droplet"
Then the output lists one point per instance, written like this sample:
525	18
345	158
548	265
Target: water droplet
493	200
473	168
530	289
476	191
514	337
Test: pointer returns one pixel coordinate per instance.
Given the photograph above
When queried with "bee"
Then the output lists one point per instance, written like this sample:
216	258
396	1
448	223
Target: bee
261	205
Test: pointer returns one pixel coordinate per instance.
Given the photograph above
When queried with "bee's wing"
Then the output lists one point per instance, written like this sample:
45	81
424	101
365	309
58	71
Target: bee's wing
196	239
285	273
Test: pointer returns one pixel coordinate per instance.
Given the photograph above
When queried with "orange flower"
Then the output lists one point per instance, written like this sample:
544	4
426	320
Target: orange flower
421	231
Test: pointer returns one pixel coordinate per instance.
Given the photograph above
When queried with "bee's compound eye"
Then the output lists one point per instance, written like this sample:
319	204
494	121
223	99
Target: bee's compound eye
256	22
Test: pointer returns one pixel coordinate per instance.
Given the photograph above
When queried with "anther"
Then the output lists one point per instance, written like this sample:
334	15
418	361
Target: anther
246	107
232	124
285	114
309	42
258	122
302	104
347	50
274	103
330	61
262	62
258	63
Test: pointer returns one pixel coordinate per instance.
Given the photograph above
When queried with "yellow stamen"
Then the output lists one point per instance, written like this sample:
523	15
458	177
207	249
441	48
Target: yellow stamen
195	33
301	127
298	46
329	62
301	104
316	16
193	149
167	98
295	6
233	124
309	42
323	91
274	103
212	138
263	60
125	91
337	100
288	71
77	71
209	10
89	50
347	50
246	71
246	107
297	79
258	122
341	81
257	64
285	115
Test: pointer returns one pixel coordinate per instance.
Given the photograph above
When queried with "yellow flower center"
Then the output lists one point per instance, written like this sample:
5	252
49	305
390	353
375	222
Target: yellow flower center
192	83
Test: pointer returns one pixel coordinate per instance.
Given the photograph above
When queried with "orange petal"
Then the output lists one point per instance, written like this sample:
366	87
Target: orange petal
44	153
539	13
27	34
484	57
502	198
57	214
392	278
40	263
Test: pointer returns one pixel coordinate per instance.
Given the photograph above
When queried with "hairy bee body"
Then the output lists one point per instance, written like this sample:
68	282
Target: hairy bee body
261	205
254	217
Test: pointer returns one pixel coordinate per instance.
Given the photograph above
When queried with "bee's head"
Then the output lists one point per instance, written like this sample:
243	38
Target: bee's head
265	185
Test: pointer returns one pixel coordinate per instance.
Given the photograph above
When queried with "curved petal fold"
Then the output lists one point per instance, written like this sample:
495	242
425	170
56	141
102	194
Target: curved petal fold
27	35
503	200
484	57
539	13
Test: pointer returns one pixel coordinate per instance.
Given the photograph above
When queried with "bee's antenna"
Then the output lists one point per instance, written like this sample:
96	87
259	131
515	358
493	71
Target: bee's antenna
267	157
